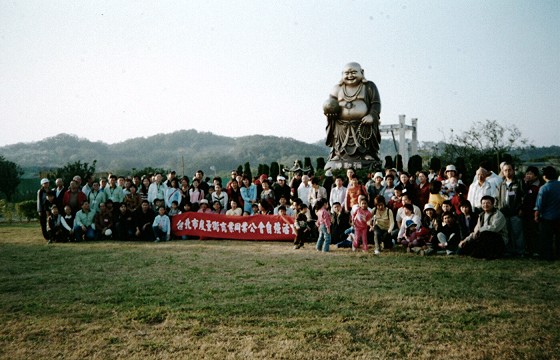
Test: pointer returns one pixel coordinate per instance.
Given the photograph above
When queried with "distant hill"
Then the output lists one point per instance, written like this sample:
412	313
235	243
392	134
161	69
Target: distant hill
198	149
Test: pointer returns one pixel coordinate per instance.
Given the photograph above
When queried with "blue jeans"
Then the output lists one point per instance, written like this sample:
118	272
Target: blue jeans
516	245
324	240
89	234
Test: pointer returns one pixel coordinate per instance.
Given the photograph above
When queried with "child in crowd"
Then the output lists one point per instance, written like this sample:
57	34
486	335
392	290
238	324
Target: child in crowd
448	234
360	221
162	226
301	229
55	229
174	209
415	237
68	222
324	225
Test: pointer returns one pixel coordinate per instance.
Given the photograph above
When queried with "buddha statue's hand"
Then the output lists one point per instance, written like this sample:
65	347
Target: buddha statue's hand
331	116
370	120
367	120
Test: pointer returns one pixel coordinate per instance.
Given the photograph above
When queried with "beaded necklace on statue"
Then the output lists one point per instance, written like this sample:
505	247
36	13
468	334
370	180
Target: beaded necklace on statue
350	98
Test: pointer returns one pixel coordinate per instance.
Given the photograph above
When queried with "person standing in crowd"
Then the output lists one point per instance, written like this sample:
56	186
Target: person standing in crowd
95	197
172	192
324	225
338	193
114	192
479	189
59	192
509	202
375	187
156	189
547	214
422	190
234	193
74	197
249	194
531	186
42	206
281	188
304	189
144	188
316	193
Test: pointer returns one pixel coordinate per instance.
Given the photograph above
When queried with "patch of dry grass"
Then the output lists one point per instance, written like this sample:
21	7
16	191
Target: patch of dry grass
254	300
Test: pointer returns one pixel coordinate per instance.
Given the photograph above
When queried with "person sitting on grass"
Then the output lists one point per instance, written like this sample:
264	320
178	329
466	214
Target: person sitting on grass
217	208
490	234
408	215
383	224
234	210
84	227
340	222
448	234
103	223
124	223
68	223
204	207
144	217
55	229
162	226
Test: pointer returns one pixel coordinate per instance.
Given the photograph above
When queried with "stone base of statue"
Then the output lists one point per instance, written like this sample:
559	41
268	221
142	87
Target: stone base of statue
373	164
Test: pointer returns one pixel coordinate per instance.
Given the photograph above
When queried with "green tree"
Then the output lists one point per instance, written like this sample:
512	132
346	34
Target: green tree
321	163
487	141
10	177
247	170
414	164
68	171
274	170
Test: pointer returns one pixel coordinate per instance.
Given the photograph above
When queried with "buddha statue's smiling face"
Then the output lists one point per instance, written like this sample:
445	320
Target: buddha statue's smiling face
352	74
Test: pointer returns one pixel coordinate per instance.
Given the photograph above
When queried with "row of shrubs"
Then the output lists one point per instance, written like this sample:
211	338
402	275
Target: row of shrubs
22	211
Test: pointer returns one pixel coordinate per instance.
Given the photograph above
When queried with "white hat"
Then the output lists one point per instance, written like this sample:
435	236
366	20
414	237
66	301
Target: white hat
450	168
429	206
204	201
378	174
280	177
44	181
108	232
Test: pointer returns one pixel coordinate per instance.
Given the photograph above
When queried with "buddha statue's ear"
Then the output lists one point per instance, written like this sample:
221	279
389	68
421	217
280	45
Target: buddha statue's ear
364	80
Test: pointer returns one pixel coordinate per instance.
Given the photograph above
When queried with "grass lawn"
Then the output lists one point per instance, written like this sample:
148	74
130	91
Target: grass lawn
264	300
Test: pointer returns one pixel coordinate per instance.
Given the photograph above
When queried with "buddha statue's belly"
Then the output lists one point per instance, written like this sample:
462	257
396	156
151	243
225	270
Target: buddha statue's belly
354	110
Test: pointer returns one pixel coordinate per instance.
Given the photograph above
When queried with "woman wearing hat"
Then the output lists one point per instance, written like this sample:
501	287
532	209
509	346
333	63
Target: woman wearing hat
42	206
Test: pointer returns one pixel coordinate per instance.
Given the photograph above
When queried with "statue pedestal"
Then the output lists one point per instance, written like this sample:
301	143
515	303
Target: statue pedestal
355	164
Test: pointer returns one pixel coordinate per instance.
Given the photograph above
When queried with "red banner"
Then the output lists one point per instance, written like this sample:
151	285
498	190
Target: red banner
255	227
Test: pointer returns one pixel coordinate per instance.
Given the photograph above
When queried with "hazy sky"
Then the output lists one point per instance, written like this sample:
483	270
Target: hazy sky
113	70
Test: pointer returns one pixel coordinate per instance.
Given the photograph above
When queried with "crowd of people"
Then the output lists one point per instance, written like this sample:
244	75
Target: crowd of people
425	213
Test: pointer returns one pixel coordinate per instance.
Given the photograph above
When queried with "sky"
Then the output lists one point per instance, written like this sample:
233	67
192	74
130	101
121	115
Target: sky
114	70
